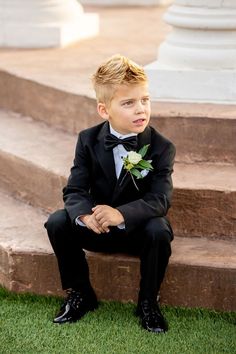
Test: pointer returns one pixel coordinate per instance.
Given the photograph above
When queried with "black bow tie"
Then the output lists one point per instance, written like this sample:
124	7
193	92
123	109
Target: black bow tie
111	141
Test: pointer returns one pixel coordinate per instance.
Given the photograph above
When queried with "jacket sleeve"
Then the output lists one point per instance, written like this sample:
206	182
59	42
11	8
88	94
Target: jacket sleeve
157	199
76	196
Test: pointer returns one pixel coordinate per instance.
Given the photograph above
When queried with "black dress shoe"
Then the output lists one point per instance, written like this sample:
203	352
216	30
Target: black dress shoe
75	306
151	317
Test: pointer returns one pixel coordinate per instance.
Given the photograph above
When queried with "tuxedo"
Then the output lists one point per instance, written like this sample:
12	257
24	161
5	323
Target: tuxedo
144	207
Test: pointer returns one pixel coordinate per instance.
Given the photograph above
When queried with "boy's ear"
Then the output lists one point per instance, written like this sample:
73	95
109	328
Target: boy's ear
102	110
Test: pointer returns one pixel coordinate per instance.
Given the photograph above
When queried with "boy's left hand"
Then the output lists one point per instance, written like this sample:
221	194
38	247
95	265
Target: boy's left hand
107	216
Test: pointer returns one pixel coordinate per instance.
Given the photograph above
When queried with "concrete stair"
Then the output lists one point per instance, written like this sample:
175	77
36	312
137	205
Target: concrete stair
213	130
29	265
51	100
36	158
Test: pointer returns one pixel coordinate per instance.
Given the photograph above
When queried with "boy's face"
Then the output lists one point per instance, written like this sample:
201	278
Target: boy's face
129	110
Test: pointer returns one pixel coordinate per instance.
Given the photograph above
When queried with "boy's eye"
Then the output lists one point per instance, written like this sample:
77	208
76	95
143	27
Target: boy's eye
145	100
128	103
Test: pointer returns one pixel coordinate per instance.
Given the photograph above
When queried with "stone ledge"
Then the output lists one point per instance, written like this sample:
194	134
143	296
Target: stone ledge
116	277
202	272
198	137
35	158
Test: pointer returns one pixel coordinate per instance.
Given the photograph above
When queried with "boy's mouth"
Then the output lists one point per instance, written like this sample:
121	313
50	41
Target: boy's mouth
139	121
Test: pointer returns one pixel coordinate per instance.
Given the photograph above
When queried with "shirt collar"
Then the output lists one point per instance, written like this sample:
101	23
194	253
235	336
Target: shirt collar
119	135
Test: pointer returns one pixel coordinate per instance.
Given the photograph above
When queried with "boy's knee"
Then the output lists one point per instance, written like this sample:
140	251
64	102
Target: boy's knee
57	221
158	230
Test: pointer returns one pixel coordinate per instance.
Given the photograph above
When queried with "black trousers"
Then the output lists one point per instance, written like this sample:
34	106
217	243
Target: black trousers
151	242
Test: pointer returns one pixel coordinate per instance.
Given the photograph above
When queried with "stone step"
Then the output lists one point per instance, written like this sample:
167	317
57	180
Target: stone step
199	137
202	272
35	160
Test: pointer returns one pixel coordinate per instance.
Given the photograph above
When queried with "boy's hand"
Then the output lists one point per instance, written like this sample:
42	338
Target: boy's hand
92	224
107	216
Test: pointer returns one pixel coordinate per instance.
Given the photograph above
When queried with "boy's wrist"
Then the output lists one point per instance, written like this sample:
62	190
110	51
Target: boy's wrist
80	220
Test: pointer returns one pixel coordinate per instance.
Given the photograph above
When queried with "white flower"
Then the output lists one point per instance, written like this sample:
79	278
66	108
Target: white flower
135	164
134	157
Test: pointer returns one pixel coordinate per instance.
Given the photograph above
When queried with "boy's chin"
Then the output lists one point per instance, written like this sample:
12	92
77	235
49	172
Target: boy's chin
139	130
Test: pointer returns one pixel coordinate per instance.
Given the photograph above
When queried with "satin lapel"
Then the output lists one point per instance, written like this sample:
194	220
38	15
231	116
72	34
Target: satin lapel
143	139
104	157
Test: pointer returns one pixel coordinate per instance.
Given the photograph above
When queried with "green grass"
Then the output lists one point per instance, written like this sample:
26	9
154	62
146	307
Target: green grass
26	328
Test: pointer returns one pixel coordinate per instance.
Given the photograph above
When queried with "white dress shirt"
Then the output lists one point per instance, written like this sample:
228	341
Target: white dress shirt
119	151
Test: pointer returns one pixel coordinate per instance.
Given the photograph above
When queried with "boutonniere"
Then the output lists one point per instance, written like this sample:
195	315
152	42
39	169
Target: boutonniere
135	164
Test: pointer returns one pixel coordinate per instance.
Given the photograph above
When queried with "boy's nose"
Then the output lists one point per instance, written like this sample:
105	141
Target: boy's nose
139	108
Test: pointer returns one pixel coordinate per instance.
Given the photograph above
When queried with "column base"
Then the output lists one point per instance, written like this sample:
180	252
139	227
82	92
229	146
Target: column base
188	85
30	35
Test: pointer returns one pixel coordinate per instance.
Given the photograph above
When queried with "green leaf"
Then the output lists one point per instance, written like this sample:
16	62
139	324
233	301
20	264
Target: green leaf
143	150
136	173
144	165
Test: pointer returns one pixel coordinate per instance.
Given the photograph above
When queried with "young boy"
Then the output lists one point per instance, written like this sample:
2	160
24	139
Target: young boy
116	200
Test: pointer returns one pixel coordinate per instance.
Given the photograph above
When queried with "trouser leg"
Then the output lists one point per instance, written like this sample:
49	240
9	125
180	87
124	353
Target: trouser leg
155	252
68	242
71	259
152	242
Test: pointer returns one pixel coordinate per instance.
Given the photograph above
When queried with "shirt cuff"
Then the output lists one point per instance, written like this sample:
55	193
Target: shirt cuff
79	222
121	226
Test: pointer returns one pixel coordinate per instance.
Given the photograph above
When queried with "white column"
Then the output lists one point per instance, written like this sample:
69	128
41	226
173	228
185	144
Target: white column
197	61
44	23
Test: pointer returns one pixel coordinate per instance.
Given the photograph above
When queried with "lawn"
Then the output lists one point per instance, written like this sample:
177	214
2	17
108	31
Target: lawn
26	328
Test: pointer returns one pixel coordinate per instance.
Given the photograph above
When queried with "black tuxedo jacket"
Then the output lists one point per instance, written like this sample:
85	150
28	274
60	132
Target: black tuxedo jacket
93	179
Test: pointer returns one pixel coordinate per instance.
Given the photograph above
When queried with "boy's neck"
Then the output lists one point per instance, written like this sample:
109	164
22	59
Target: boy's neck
120	135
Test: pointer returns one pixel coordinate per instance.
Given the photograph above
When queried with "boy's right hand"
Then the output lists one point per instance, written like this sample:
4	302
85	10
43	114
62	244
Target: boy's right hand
91	223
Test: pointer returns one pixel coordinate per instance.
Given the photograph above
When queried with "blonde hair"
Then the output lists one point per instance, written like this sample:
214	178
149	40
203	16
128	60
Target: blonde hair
117	70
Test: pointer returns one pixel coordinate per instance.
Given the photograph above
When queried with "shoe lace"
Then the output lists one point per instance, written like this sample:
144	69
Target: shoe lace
151	310
74	298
